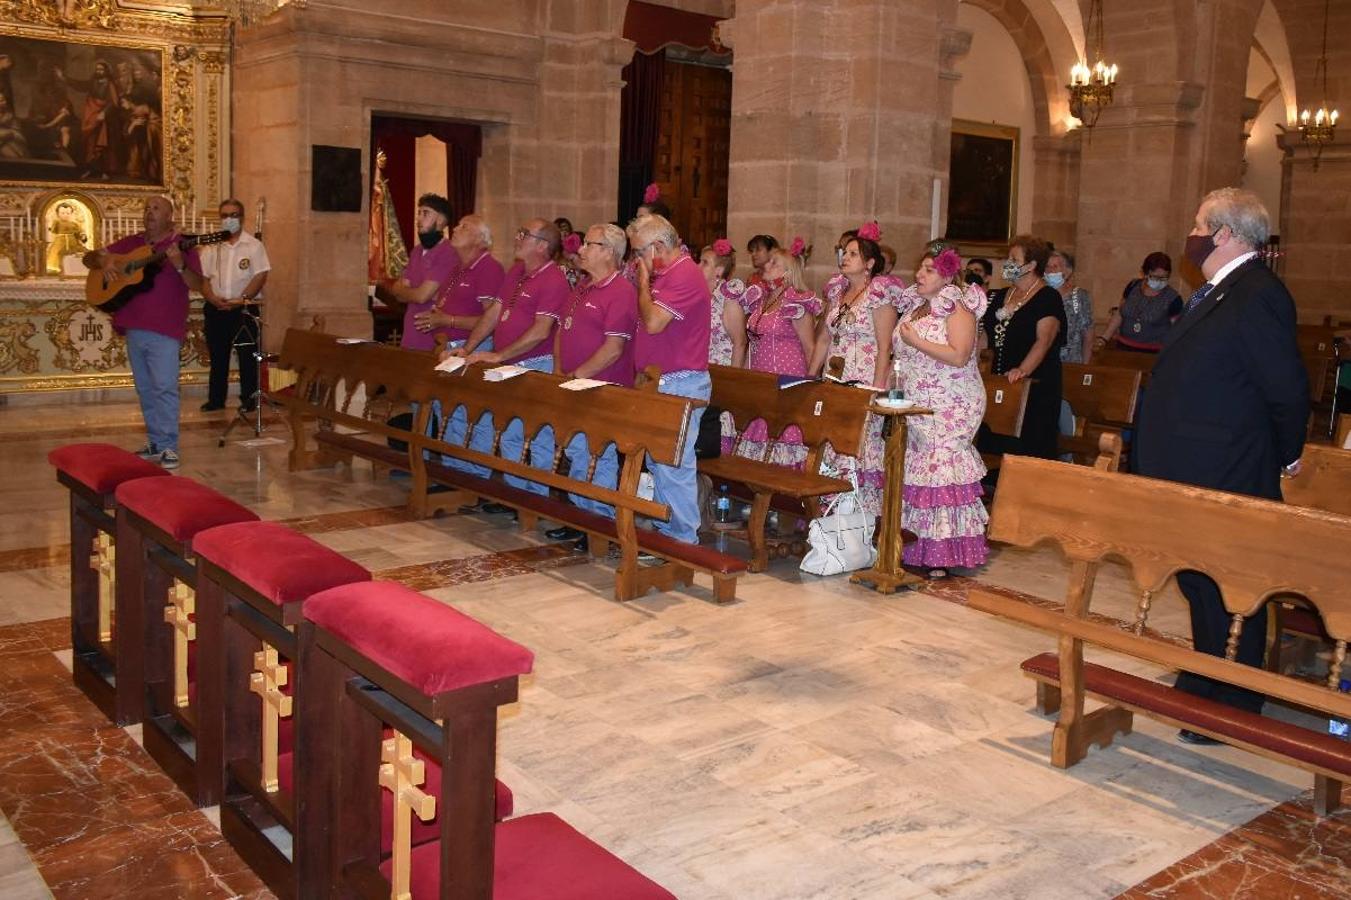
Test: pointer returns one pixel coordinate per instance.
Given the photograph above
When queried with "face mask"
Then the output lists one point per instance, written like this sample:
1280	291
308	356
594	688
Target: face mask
1158	284
429	239
230	224
975	278
1200	246
1055	279
1011	270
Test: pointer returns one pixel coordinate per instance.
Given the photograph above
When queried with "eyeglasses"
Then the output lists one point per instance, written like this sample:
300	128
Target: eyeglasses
522	234
593	244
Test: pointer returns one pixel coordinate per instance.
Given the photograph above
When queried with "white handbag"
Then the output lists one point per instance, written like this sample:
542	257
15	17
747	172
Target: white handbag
841	540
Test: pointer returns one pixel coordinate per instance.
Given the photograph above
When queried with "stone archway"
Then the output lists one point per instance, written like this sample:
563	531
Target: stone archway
1047	48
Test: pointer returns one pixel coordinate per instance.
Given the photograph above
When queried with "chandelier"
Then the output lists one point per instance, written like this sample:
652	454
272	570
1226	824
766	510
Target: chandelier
1091	89
1319	128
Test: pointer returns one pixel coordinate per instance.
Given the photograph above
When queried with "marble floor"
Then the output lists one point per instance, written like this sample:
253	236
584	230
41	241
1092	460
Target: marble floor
812	740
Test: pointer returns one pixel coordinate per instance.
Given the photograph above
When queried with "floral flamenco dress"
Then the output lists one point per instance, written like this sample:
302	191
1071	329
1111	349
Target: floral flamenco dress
775	347
942	466
731	290
853	337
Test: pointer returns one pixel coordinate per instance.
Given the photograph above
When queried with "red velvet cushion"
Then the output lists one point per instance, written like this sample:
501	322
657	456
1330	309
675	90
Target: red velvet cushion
432	646
422	831
542	856
180	506
101	467
275	561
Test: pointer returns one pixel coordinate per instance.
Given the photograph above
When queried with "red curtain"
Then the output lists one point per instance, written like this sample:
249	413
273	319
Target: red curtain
398	138
639	127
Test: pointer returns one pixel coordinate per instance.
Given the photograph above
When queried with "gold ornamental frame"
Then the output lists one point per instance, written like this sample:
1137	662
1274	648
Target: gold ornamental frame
991	243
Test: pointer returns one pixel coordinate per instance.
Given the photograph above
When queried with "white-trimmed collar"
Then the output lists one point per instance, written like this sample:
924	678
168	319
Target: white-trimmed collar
1231	266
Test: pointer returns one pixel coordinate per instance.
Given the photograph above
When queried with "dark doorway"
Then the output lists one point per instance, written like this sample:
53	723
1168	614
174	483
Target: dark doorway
398	138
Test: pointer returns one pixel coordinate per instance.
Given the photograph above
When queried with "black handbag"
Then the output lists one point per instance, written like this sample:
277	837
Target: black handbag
708	443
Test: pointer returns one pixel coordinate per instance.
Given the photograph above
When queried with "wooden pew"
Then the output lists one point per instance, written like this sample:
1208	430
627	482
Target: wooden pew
375	656
1343	430
1005	406
825	413
105	648
1103	399
1127	359
1251	547
641	424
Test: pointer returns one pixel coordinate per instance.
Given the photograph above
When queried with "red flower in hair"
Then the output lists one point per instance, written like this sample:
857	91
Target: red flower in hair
799	246
870	231
947	263
651	193
722	247
572	243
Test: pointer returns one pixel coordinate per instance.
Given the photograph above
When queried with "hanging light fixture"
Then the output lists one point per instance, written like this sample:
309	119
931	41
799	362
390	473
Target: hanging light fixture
1091	89
1318	129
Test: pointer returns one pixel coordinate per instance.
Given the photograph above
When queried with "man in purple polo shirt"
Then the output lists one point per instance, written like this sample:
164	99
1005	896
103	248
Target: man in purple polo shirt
520	318
474	283
155	323
674	330
594	340
429	268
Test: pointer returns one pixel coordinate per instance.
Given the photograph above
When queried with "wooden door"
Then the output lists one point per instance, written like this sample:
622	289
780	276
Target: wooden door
691	163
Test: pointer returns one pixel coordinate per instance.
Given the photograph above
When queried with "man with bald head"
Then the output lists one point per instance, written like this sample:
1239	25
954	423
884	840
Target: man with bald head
155	322
520	319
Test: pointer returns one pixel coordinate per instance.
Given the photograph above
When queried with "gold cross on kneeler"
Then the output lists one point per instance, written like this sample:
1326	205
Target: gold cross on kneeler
267	682
104	560
183	602
401	773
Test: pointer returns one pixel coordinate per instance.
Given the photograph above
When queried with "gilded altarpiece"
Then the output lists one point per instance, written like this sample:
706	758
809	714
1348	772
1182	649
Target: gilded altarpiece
101	106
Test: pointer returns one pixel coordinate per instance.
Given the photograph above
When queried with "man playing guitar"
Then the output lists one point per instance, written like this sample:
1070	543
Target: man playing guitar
155	324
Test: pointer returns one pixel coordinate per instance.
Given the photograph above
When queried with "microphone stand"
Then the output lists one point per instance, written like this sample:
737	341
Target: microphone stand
250	335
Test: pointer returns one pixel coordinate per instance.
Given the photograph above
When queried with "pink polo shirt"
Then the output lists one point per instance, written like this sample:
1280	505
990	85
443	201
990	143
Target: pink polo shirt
164	307
682	345
593	313
523	296
436	264
467	290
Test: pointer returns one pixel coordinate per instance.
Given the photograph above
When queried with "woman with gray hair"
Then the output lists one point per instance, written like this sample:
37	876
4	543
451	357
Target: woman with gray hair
1078	308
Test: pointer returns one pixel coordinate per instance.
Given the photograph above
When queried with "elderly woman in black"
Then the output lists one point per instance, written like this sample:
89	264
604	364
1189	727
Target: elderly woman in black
1025	328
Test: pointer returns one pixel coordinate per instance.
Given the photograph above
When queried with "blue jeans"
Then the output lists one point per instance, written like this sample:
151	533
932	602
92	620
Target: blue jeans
154	369
512	443
678	486
606	475
459	424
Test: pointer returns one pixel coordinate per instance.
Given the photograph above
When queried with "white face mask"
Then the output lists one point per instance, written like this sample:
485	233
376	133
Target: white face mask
230	224
1157	284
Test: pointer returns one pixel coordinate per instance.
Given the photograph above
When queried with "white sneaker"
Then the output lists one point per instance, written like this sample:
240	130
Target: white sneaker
148	452
168	460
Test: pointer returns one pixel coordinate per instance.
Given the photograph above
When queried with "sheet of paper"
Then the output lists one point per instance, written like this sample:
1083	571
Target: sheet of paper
355	341
451	364
502	373
582	384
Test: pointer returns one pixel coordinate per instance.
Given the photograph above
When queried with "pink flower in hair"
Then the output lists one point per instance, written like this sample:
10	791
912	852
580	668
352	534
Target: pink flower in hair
722	247
947	263
870	231
651	193
798	247
572	243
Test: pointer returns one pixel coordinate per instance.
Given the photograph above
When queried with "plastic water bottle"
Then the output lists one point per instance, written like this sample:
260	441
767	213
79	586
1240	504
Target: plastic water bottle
722	508
1340	727
896	382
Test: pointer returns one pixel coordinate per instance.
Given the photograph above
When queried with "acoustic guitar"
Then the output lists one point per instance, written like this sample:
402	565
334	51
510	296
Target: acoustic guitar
138	270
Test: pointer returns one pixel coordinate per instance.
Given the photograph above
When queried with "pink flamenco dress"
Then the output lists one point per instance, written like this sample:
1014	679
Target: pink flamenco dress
853	337
775	347
942	467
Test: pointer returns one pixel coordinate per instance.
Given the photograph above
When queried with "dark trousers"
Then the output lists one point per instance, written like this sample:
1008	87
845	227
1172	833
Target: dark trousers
1210	634
223	329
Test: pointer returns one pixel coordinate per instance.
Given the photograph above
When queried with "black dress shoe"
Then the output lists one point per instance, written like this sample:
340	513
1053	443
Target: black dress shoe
497	509
564	533
208	406
1199	740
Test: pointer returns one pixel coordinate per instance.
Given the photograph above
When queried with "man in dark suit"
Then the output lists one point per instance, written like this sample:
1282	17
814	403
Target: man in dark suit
1227	405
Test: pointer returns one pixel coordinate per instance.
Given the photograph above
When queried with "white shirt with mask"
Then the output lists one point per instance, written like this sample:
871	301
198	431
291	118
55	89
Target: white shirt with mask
1230	266
231	266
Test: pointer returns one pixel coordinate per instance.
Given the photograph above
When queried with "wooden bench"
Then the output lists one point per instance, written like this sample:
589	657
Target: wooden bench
640	424
825	412
1005	407
1127	359
99	629
1252	548
1103	400
379	656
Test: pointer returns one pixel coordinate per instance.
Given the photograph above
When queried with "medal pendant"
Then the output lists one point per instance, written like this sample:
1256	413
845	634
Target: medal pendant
1136	327
567	323
506	314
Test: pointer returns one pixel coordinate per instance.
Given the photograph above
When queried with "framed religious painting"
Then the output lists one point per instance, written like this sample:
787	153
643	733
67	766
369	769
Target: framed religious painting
81	113
983	183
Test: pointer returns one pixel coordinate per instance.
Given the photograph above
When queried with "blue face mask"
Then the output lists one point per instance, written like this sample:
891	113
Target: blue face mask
1055	279
1157	284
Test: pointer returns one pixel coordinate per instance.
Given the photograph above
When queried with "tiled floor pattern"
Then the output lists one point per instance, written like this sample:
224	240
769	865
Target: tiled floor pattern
813	740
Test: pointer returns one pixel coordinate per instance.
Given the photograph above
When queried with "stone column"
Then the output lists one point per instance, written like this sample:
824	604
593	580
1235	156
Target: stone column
1055	208
839	115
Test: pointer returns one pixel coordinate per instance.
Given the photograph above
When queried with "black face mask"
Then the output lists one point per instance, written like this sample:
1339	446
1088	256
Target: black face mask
974	278
429	239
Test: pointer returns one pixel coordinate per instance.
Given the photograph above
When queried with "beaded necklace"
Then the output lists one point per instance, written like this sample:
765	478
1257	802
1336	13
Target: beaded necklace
1003	316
